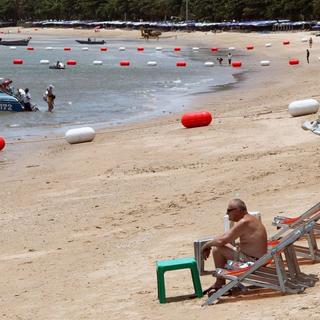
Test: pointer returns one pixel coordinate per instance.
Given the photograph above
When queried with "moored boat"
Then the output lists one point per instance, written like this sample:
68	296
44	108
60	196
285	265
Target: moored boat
90	41
9	103
21	42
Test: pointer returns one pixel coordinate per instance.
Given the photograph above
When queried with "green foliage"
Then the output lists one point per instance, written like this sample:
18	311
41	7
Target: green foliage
200	10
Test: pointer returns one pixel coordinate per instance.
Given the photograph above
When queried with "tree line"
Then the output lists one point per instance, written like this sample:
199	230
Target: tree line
159	10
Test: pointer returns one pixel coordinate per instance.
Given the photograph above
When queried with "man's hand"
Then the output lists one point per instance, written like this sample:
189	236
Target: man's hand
205	251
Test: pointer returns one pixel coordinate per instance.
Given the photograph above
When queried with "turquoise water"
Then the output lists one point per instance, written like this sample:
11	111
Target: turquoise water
105	95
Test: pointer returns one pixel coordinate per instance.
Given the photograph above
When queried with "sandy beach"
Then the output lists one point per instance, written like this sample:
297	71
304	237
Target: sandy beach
83	225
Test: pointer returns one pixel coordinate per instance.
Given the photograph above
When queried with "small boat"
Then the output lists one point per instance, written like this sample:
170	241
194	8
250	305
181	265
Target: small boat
10	103
22	42
58	66
90	41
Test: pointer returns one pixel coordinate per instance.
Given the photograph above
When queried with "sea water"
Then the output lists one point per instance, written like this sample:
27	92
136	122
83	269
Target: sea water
108	94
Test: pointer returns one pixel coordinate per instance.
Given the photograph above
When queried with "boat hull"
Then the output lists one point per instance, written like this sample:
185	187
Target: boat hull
90	42
22	42
9	103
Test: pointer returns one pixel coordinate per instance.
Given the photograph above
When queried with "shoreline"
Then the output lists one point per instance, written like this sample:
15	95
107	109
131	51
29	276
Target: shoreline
82	225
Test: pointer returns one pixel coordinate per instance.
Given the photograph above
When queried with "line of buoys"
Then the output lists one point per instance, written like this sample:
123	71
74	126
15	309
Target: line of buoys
293	61
152	63
303	107
209	64
250	47
30	48
181	64
2	143
44	61
214	49
97	62
140	49
71	62
177	49
103	49
196	119
265	63
125	63
79	135
17	61
67	49
286	42
236	64
268	45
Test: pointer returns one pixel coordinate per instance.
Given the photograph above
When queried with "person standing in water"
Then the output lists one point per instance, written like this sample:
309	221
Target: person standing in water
310	42
308	55
229	58
49	97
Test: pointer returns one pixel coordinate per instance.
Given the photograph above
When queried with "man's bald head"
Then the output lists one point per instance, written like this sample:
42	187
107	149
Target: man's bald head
239	204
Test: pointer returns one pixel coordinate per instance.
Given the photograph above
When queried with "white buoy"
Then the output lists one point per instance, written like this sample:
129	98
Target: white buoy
195	49
232	48
304	40
49	48
97	62
44	61
265	63
303	107
122	49
85	49
13	48
152	63
268	45
79	135
209	64
159	48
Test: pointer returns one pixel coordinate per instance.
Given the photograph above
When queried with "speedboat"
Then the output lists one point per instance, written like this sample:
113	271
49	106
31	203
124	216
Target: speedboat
10	103
91	41
58	66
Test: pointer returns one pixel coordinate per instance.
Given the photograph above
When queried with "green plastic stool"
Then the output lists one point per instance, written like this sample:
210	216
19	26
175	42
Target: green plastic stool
177	264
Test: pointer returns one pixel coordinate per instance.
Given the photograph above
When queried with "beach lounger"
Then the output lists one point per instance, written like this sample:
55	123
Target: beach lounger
311	251
280	276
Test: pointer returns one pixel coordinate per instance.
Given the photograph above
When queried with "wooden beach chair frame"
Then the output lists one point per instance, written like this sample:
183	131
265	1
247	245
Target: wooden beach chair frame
278	277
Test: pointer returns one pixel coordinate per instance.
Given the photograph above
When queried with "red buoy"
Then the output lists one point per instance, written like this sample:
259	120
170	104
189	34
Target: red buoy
214	49
125	63
67	49
30	48
2	143
196	119
293	61
177	49
286	42
236	64
250	47
71	62
17	61
181	64
140	49
104	49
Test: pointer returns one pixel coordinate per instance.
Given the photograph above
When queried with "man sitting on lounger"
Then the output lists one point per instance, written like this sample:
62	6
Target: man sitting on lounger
252	245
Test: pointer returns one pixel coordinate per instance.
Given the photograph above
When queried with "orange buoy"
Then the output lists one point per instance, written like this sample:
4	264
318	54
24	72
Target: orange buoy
196	119
286	42
250	47
181	64
67	49
71	62
214	49
140	49
2	143
30	48
177	49
236	64
125	63
17	61
104	49
293	61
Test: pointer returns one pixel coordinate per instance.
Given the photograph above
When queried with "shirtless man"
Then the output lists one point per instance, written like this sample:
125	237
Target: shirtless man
252	245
